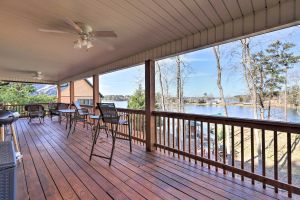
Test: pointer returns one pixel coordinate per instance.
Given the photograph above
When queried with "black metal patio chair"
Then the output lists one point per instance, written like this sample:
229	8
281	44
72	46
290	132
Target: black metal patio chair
35	111
54	109
109	115
81	115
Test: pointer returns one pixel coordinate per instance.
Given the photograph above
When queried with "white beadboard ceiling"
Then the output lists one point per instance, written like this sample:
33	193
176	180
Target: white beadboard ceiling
146	29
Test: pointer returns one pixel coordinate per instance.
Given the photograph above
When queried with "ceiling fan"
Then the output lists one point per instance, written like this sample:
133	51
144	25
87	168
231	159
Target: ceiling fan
84	31
38	75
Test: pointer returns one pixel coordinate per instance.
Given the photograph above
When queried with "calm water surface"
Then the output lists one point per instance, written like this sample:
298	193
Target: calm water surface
234	111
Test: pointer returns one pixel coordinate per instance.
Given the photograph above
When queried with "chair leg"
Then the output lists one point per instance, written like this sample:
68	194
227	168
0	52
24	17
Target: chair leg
106	130
97	132
92	150
75	122
113	146
70	128
67	122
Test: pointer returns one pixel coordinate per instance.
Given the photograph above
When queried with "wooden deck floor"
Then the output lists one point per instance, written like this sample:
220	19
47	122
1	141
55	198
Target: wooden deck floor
55	167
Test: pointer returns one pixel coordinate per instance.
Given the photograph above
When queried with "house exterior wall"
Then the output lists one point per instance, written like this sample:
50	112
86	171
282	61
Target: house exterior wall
83	92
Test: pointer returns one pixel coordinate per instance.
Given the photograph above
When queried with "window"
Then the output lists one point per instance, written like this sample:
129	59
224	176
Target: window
88	102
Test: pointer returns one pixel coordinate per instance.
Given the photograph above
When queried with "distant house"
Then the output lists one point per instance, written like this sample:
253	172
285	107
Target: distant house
83	92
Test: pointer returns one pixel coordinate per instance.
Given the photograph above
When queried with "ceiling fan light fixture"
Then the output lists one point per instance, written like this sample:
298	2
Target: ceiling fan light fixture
77	44
89	44
84	42
38	76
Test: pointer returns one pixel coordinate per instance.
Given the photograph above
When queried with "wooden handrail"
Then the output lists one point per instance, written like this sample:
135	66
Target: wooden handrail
221	142
127	110
234	121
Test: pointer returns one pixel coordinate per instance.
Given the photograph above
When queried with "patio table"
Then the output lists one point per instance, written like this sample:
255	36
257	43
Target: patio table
68	113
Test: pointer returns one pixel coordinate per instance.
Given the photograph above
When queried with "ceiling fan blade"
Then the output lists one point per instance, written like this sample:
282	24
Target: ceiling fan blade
73	24
103	44
52	31
104	34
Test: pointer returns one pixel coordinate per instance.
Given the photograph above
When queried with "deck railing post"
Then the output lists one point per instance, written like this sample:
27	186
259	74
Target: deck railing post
71	92
58	93
96	96
150	103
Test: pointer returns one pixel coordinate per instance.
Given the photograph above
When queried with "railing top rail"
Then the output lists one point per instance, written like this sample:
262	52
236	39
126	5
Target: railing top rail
242	122
134	111
23	104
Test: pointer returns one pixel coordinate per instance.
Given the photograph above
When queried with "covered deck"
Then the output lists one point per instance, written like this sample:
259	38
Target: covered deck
54	167
175	155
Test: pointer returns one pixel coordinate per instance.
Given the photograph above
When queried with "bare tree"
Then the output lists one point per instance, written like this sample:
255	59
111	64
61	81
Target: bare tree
179	84
163	105
251	82
216	50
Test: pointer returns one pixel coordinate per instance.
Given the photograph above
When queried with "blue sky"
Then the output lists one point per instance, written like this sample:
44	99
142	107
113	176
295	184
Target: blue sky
202	78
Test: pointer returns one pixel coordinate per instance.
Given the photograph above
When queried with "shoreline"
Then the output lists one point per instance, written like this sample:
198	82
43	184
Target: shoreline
238	104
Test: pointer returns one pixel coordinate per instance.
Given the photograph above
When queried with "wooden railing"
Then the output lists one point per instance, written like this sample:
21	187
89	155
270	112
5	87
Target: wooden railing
252	150
137	121
259	150
20	108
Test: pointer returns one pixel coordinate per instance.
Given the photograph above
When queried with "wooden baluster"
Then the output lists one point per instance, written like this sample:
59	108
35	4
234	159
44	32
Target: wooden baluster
208	143
242	151
133	127
232	148
169	134
275	159
183	135
173	131
263	146
216	144
155	122
195	140
140	125
224	147
201	130
252	152
289	162
164	133
160	132
178	137
124	127
189	124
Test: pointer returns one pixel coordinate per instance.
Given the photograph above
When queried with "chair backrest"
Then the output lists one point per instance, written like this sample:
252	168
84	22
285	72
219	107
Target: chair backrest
109	113
53	106
34	108
79	108
62	106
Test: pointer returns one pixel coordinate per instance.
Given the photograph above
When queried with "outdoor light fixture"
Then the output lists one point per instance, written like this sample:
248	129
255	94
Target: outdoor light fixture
83	42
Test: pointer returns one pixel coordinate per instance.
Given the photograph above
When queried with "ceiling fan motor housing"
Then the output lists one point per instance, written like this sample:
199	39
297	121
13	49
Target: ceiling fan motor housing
86	29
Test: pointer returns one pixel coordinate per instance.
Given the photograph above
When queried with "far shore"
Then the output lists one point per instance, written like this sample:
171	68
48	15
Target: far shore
239	104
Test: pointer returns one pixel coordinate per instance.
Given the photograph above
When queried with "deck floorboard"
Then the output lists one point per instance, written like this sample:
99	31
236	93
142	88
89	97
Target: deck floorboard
55	167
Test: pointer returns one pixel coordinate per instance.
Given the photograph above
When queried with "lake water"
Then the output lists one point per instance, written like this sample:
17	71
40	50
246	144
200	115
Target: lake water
234	111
